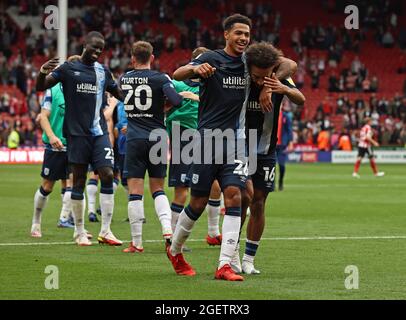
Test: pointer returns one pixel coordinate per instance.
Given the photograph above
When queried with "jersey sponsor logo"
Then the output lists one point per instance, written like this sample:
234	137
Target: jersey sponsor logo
240	81
86	88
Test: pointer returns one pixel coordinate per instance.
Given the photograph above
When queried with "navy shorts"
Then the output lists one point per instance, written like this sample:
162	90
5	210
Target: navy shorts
229	167
178	172
281	153
363	151
55	166
264	177
96	151
137	160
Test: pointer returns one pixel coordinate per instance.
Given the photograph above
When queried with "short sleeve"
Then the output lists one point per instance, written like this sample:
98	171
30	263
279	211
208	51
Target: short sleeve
60	72
47	101
201	58
289	82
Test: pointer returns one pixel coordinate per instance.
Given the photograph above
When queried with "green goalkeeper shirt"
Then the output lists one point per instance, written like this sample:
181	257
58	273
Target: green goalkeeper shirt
186	113
54	101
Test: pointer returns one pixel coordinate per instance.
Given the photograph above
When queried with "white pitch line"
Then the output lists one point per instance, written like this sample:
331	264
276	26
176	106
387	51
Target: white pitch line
203	240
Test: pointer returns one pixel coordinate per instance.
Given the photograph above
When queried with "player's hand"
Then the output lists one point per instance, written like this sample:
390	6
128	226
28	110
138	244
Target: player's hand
376	144
290	147
189	95
50	65
75	57
275	85
265	99
124	130
204	70
56	143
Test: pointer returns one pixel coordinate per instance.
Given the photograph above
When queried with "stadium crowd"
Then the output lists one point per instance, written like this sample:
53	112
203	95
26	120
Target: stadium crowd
122	25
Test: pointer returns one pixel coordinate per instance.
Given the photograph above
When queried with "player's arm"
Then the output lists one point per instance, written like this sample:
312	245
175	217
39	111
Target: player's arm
277	86
117	93
109	109
203	70
169	91
46	125
190	95
45	80
285	69
370	139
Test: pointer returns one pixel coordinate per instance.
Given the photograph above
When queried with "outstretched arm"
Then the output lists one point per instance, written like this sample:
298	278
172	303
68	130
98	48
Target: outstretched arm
204	70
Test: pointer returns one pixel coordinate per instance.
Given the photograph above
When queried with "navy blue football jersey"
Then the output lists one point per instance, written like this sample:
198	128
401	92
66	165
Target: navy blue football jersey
222	95
145	93
84	89
265	124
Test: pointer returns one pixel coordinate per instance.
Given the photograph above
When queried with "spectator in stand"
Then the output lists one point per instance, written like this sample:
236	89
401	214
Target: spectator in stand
323	140
295	39
402	136
344	143
387	39
374	84
300	77
315	79
402	38
366	85
333	83
13	139
334	140
356	65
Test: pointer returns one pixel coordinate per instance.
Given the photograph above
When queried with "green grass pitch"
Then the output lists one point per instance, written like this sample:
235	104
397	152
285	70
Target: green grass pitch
320	200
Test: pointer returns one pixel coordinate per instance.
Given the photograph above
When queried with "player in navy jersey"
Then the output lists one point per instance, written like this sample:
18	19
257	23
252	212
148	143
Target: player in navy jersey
146	91
263	60
85	82
224	80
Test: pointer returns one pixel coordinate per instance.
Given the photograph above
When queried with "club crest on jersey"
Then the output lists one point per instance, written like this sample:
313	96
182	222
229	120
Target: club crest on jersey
195	178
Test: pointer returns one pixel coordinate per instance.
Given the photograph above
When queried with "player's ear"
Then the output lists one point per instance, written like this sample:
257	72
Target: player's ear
151	59
226	35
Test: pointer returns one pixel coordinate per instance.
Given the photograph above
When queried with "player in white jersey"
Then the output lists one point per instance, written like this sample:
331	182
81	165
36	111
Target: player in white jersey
365	147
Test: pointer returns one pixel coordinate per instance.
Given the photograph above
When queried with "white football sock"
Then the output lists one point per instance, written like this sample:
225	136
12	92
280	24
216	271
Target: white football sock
176	210
66	205
164	213
78	210
40	202
213	217
91	191
136	217
231	231
182	232
115	185
106	207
